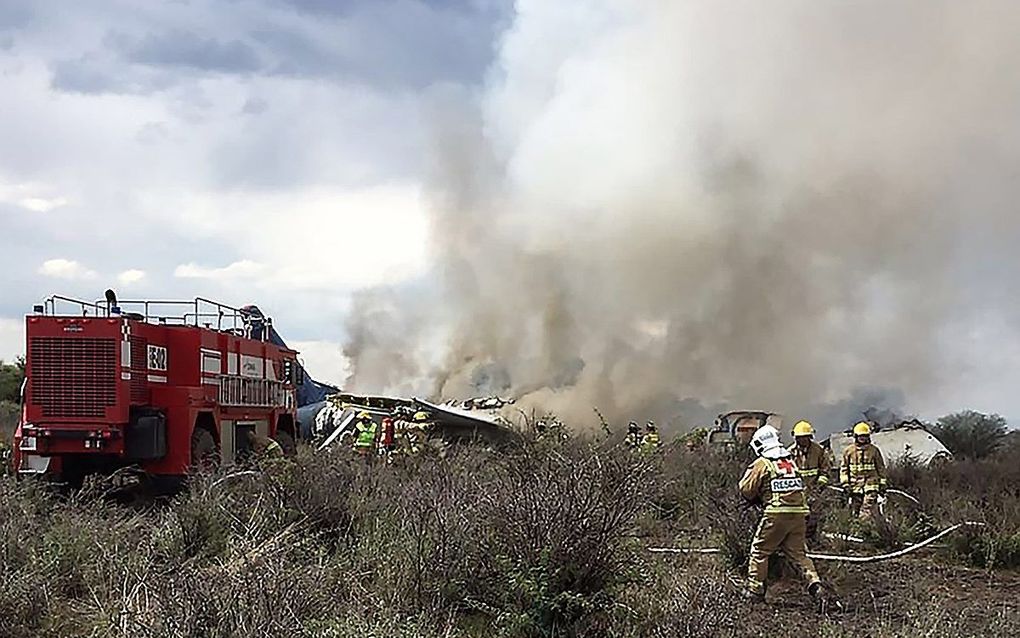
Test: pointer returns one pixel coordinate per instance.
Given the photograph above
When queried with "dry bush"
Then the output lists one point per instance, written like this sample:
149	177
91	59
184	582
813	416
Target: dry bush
537	540
558	537
983	491
697	494
680	598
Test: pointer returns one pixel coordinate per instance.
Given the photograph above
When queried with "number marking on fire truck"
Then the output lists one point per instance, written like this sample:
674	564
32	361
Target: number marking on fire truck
157	358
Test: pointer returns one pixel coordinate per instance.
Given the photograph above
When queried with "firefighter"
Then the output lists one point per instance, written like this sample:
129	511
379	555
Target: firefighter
414	433
650	442
633	438
263	447
862	474
813	466
364	435
387	442
771	480
695	439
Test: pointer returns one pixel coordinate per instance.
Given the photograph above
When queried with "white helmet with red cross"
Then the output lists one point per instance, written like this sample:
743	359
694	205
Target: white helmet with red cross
765	442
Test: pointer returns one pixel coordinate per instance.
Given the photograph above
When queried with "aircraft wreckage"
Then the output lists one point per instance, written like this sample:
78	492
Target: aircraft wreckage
476	419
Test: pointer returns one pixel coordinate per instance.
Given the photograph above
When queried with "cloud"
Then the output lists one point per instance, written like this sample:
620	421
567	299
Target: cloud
86	75
186	49
41	204
324	360
28	196
335	240
65	269
132	276
406	44
12	338
244	269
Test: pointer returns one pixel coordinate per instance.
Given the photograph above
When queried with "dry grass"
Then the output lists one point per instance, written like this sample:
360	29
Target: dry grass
541	540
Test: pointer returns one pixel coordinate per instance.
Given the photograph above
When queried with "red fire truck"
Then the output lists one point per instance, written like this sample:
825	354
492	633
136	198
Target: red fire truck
163	387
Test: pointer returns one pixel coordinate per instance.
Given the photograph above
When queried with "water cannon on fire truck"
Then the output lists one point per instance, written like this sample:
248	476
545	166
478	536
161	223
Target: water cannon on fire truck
162	388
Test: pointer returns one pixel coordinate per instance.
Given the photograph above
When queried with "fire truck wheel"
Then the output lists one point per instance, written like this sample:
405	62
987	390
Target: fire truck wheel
286	442
204	457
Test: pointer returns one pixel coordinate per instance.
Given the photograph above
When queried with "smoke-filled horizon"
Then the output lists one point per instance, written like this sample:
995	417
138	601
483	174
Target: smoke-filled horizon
757	205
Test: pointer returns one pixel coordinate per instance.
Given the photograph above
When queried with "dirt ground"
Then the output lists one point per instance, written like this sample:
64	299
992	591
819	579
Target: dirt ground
903	597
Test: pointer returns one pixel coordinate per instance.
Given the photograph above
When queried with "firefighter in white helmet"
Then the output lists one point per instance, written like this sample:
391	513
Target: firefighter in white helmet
772	481
813	465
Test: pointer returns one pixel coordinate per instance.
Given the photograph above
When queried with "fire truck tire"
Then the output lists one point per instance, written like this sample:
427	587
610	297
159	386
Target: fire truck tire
286	442
204	456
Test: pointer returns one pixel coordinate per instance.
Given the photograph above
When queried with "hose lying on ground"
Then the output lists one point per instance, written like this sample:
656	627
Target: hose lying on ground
830	557
898	553
900	493
232	476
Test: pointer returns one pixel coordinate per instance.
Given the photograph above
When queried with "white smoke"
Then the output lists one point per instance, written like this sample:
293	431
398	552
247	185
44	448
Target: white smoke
755	204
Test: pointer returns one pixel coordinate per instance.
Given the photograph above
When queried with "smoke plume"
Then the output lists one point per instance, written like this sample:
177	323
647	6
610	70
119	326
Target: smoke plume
762	205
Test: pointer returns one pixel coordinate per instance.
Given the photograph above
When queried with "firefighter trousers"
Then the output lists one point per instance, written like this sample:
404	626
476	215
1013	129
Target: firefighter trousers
866	506
786	532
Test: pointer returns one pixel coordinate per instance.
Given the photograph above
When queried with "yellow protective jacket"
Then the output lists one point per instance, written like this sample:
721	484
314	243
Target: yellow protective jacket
364	434
650	442
776	484
813	464
863	469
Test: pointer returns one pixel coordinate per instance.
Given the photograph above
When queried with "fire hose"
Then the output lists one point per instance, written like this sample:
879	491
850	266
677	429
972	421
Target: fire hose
899	493
831	557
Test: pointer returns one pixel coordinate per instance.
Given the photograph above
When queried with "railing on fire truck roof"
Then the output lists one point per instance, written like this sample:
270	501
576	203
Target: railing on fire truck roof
199	312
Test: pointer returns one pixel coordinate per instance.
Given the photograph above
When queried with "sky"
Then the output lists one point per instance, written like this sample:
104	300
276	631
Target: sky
596	169
244	150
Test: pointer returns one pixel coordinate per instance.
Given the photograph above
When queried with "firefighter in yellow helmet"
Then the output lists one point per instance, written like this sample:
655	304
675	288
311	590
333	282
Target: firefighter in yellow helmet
772	481
813	465
862	473
365	430
414	433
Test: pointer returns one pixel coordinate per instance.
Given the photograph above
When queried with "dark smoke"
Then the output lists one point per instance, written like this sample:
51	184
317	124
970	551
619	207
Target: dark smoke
761	205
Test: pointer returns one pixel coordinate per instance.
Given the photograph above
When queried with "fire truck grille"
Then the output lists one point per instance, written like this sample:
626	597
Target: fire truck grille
73	377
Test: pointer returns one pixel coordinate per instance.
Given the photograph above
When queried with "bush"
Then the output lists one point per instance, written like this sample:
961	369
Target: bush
972	435
539	540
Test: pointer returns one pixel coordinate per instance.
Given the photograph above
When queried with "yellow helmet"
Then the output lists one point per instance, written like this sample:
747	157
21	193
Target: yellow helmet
803	428
363	415
420	417
862	429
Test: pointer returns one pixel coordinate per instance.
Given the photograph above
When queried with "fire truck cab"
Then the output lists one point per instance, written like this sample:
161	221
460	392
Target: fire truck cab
166	387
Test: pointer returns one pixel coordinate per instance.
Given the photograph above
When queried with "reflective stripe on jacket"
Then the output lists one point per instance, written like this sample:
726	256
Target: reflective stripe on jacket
777	485
650	441
813	464
364	434
863	469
